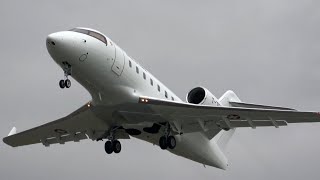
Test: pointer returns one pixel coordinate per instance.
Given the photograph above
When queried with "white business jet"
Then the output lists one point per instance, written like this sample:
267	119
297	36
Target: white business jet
128	101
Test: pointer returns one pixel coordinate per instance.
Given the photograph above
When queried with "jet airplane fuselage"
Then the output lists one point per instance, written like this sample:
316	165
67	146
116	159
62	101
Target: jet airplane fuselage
112	77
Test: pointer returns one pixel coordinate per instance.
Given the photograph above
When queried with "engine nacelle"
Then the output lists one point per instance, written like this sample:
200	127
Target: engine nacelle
201	95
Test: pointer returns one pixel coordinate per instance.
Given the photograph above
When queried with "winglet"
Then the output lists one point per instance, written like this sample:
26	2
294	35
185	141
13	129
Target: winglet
13	131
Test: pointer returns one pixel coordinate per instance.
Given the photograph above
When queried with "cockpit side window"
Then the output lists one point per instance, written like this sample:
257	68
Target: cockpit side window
91	33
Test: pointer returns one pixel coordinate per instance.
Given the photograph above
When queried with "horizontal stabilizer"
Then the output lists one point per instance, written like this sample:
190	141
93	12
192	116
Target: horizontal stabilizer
258	106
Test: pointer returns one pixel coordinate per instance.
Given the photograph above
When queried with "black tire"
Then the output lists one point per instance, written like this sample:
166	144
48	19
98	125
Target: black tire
67	83
61	84
108	147
163	142
171	142
116	146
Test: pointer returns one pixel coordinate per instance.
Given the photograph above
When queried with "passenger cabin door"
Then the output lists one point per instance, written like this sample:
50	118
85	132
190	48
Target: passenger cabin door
119	60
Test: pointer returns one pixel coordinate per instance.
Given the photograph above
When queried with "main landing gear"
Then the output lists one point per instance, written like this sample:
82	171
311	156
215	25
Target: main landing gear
65	83
112	145
167	141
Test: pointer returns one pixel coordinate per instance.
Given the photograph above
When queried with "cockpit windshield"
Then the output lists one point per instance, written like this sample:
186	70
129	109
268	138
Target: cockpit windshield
90	33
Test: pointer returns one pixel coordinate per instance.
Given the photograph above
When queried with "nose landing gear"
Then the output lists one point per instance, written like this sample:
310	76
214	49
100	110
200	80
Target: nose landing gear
66	83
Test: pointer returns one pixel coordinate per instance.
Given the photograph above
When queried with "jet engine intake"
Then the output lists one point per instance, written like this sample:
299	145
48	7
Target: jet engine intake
202	96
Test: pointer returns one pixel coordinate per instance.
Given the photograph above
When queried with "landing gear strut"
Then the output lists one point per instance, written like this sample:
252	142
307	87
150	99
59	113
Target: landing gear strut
167	141
65	83
112	145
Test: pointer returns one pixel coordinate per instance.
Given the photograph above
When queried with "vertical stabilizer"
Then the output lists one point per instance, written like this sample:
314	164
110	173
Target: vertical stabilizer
223	137
227	97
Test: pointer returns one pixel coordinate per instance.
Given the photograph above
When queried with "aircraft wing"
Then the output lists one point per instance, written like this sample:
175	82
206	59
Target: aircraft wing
74	127
193	117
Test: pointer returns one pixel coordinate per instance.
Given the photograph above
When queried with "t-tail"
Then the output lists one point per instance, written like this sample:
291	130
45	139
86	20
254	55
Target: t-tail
223	138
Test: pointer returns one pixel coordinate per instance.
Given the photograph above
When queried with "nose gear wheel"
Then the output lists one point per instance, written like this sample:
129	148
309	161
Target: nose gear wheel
66	83
61	84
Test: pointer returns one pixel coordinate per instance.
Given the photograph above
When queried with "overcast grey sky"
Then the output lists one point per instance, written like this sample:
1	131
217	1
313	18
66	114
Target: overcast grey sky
267	51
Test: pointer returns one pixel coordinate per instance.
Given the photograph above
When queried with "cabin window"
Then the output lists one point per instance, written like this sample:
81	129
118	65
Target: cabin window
172	98
166	94
144	75
151	82
130	64
137	69
158	88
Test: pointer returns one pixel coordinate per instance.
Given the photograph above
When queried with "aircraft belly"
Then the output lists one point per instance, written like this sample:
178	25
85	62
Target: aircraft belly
193	146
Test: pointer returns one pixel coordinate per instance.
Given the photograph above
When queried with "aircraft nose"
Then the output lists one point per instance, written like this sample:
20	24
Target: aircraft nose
53	39
56	45
61	47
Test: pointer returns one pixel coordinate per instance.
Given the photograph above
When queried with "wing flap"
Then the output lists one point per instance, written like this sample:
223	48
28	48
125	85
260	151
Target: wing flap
258	106
63	139
224	125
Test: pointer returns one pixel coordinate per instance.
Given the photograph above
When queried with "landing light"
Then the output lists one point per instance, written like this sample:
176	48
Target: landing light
88	104
144	100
